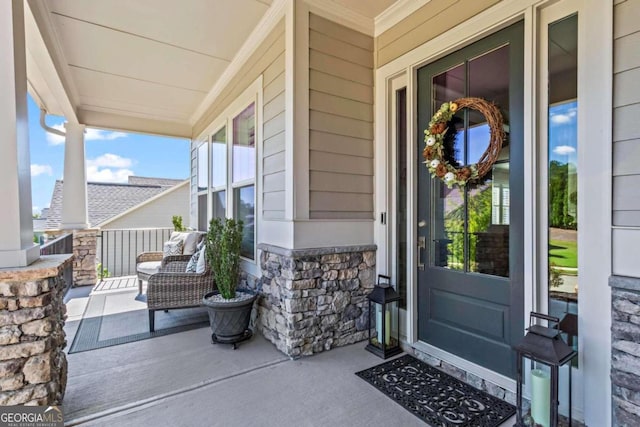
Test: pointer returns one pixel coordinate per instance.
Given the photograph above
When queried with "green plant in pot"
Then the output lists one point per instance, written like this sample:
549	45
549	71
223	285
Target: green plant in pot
229	310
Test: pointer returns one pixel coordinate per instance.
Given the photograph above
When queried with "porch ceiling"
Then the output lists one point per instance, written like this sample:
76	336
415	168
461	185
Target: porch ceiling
121	60
146	65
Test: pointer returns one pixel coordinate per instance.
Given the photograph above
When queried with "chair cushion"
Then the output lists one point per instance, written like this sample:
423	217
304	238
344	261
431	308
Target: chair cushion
189	240
202	261
193	262
149	267
172	248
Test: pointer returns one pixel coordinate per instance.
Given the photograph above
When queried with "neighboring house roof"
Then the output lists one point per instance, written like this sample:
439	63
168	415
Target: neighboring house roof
39	225
145	180
184	183
106	200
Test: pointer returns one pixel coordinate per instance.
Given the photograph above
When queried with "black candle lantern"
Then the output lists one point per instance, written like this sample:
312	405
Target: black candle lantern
384	313
547	353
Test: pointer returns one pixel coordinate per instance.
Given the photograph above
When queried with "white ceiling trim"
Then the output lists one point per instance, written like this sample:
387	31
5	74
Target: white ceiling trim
342	15
264	27
396	13
41	16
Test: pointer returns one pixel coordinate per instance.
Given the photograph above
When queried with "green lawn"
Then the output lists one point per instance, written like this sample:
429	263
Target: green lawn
563	253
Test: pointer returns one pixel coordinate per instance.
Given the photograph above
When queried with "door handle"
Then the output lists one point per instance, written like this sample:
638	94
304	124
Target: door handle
422	244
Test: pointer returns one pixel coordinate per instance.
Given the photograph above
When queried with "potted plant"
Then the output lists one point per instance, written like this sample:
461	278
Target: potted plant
229	309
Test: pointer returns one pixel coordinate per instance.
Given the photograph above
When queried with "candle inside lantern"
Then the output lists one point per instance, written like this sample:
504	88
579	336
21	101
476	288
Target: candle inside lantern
379	324
387	327
540	404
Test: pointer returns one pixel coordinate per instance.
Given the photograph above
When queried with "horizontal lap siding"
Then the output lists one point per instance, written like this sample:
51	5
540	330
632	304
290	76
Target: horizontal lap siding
626	125
340	121
426	23
626	137
273	131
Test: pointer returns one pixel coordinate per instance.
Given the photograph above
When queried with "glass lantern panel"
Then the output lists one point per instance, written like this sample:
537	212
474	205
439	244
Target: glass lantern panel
392	333
378	319
536	403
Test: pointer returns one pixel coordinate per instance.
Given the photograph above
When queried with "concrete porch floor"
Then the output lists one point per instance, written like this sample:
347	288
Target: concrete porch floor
184	380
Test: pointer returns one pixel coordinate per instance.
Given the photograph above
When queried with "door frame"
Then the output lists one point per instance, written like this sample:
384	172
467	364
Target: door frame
597	75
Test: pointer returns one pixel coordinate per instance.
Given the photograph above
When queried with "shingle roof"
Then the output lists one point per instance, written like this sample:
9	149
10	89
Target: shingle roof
145	180
106	200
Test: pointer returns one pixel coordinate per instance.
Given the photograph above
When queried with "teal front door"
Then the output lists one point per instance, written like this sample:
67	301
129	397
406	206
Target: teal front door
470	274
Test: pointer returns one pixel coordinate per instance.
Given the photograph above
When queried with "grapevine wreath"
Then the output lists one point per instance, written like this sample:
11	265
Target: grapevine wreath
434	137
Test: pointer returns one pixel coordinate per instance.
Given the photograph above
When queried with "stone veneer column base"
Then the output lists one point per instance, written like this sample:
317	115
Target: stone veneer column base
625	351
315	299
84	251
33	366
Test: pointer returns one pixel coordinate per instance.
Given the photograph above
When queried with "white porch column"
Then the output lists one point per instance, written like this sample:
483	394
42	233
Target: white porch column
74	190
16	226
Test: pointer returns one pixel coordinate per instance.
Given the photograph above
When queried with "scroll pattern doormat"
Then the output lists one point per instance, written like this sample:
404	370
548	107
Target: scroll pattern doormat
435	396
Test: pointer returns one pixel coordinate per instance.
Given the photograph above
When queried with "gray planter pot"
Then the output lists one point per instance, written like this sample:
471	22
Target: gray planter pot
229	319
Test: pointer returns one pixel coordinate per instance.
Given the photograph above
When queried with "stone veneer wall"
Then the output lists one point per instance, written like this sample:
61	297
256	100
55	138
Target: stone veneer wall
625	352
85	243
315	299
33	366
84	251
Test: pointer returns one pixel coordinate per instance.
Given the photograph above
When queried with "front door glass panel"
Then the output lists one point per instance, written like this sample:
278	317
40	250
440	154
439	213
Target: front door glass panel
470	228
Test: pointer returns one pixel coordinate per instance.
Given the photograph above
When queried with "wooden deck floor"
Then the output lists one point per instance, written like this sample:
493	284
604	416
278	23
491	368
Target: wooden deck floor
113	283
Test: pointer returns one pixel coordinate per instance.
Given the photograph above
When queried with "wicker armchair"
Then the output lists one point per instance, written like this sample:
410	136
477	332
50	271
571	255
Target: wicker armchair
152	260
173	288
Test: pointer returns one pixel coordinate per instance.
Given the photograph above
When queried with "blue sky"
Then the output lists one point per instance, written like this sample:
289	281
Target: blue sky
110	156
563	132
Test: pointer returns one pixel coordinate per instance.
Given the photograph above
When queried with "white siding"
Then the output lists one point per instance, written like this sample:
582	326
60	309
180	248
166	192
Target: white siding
626	138
273	149
340	121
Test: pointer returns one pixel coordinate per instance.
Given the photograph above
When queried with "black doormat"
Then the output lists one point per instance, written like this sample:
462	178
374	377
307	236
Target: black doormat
435	396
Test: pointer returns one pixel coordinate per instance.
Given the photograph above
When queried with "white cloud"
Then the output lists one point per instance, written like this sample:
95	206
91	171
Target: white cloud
102	135
41	169
109	160
563	119
564	150
109	168
89	135
94	174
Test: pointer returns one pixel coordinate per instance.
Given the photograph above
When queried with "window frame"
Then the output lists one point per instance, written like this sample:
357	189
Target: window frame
251	95
198	193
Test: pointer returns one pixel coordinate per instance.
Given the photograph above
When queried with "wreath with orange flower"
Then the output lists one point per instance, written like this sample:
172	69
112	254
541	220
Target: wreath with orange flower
434	138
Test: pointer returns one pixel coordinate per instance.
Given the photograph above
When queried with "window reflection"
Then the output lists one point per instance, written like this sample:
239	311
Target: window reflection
219	158
202	166
202	213
219	204
244	200
244	145
563	175
401	194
